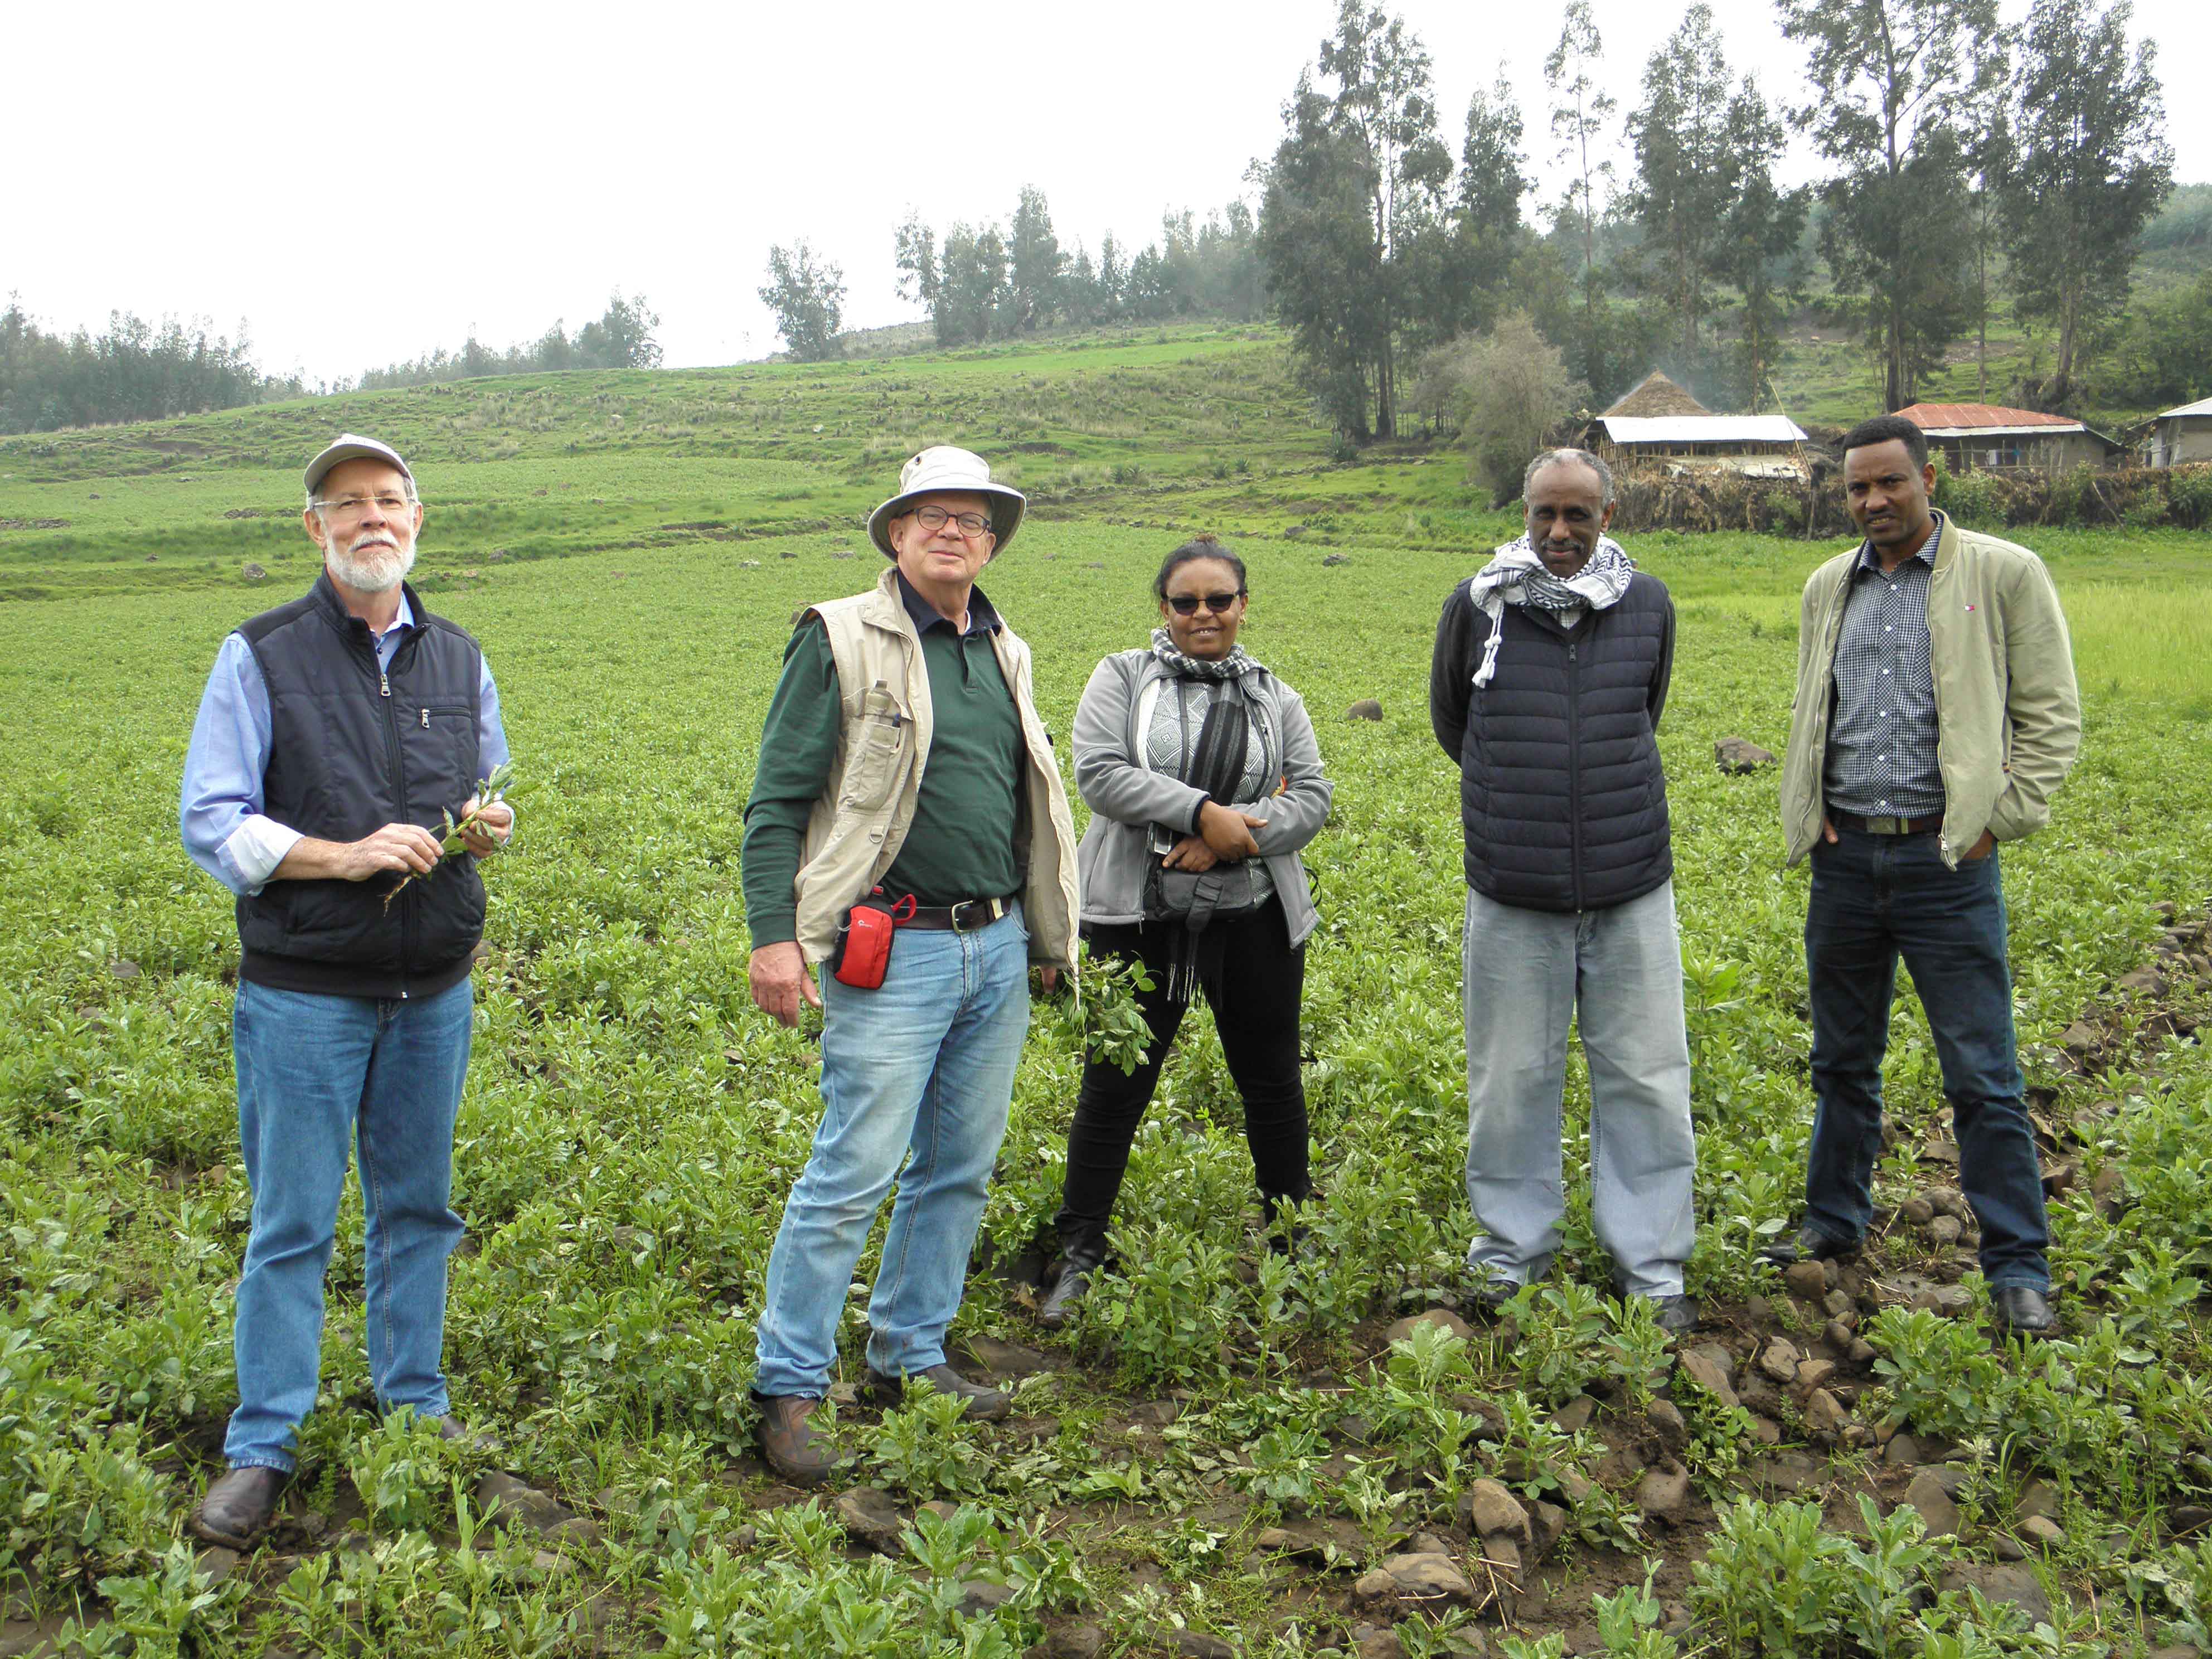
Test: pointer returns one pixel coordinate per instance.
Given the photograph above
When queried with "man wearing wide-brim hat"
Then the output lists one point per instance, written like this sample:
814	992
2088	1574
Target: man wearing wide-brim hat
903	769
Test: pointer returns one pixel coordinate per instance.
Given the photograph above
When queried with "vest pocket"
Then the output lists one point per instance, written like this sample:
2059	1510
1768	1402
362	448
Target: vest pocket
879	740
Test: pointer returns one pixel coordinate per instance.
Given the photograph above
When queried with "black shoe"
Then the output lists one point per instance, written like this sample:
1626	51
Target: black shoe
1677	1316
1071	1284
1809	1243
795	1448
2022	1310
984	1404
239	1507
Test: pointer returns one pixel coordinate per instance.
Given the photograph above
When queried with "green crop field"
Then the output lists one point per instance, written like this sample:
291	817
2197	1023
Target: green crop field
1213	1458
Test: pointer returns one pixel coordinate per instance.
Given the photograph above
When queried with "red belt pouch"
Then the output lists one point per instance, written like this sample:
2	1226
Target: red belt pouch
864	941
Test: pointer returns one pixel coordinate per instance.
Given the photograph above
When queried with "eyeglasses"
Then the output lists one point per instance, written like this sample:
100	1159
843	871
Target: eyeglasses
970	524
1186	605
390	503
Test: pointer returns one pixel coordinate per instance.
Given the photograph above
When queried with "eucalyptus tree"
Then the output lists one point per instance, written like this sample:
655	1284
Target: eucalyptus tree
1688	174
1891	80
1582	114
806	293
1035	263
1356	183
2089	168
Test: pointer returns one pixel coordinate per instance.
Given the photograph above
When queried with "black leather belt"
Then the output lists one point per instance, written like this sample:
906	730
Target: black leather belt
962	918
1867	826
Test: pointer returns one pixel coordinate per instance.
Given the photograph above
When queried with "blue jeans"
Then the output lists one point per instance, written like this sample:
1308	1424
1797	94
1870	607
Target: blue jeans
923	1065
315	1073
1876	897
1527	976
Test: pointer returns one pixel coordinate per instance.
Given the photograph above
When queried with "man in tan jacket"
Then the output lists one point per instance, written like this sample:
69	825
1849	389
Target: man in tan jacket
903	769
1936	714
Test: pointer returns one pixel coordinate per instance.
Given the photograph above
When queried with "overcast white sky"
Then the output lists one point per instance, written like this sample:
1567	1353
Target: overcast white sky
364	183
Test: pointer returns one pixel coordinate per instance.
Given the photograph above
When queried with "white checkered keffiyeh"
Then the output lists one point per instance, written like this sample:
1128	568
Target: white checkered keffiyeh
1517	576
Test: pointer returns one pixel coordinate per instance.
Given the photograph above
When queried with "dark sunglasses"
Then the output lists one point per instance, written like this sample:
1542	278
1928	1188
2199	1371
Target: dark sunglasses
1186	605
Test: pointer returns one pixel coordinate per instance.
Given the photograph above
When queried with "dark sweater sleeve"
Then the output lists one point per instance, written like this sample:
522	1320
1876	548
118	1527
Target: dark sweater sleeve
798	744
1664	675
1448	690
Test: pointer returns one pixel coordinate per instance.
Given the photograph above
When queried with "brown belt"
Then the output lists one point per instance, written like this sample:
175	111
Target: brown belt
1867	826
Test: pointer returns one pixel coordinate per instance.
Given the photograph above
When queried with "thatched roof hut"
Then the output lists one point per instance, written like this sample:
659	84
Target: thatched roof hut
1655	395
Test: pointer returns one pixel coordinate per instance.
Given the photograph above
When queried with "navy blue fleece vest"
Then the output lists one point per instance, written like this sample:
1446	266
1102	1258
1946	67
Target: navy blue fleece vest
353	748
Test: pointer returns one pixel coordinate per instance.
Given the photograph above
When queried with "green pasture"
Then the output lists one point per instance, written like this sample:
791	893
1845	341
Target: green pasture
632	1124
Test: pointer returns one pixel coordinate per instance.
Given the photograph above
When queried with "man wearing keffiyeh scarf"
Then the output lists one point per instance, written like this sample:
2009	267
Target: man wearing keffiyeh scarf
1552	666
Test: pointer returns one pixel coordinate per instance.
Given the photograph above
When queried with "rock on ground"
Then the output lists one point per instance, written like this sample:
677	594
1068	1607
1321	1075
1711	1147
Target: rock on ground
1707	1365
1492	1509
1938	1512
1739	756
2002	1582
868	1515
1365	710
1664	1495
1442	1318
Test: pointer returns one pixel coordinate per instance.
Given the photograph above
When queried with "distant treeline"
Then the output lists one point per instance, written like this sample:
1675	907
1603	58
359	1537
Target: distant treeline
621	338
989	281
133	370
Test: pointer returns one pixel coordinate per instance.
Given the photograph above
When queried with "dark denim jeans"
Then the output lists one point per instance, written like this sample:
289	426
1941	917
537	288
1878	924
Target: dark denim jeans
1874	898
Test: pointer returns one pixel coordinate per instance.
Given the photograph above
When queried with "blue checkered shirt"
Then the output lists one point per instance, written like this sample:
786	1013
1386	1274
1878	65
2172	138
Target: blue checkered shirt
1882	742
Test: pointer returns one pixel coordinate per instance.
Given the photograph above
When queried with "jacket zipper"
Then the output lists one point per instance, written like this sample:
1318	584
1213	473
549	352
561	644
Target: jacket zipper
1575	771
399	786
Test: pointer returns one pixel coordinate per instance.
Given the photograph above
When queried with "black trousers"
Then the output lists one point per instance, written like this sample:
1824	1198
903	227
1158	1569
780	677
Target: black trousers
1255	997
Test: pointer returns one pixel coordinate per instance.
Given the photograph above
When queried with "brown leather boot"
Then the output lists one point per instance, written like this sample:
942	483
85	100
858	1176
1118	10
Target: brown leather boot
795	1450
239	1507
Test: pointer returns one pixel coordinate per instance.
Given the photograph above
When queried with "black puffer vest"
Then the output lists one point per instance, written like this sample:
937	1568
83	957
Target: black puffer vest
353	748
1561	792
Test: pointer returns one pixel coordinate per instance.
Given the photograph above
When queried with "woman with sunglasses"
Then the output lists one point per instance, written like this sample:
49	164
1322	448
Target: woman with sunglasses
1204	780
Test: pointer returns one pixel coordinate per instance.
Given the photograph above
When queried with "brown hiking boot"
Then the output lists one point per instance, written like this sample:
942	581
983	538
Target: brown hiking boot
239	1507
795	1450
979	1401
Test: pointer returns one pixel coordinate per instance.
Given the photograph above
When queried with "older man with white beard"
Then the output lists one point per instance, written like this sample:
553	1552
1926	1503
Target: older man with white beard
333	732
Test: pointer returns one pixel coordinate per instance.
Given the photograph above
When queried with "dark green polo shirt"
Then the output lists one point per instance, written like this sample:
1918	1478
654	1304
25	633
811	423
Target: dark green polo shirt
961	843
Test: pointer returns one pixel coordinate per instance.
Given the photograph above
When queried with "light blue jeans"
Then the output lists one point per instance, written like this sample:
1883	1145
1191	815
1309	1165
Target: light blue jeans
919	1072
314	1074
1527	974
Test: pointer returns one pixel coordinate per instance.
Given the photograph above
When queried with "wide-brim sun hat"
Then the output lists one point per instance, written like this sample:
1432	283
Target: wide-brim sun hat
352	447
946	468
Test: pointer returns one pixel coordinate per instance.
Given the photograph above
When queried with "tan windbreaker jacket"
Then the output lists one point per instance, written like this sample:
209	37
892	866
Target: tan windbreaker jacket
860	821
2008	714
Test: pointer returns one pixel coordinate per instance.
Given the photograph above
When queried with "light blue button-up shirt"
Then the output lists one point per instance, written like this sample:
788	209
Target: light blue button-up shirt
224	828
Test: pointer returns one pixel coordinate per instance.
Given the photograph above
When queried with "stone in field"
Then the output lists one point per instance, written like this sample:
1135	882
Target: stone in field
1365	710
2002	1582
1938	1513
1825	1413
1916	1211
2043	1532
1490	1508
1943	1231
1739	756
869	1517
1807	1279
1337	558
1664	1495
1443	1318
1575	1415
1666	1422
1814	1373
1779	1361
1708	1366
1075	1642
254	572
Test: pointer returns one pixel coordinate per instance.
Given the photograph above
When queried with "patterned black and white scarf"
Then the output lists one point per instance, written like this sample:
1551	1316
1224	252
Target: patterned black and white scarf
1517	576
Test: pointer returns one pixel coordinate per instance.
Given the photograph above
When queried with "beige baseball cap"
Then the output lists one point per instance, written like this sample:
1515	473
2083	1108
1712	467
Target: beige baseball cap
352	447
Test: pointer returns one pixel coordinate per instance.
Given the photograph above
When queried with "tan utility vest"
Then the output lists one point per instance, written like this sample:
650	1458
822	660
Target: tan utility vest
861	818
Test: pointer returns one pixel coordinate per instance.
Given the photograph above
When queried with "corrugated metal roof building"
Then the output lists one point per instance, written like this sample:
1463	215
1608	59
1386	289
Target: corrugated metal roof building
2182	434
1989	437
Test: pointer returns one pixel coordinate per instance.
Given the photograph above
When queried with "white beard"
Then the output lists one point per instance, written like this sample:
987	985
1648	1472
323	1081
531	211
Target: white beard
377	569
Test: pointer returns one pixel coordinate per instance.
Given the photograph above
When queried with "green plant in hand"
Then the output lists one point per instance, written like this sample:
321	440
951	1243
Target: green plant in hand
453	835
